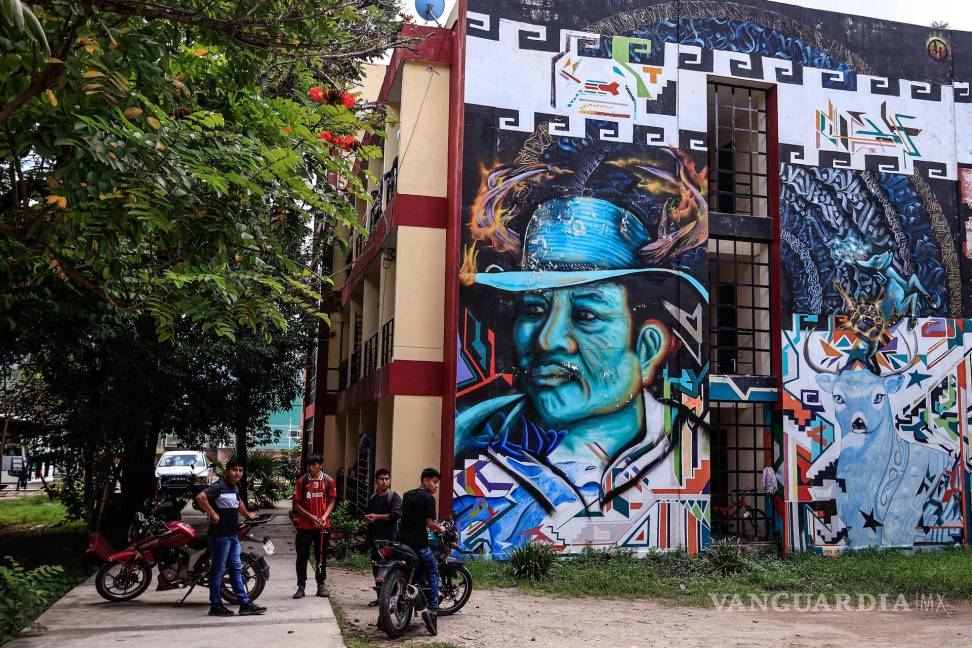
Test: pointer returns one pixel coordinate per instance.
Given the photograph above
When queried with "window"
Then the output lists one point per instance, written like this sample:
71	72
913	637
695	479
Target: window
740	230
738	159
742	448
740	338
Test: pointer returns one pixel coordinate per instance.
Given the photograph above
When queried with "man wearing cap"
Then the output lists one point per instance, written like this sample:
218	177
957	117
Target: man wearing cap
584	429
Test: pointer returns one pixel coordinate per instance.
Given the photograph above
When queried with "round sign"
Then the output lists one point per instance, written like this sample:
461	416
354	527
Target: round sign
937	48
430	9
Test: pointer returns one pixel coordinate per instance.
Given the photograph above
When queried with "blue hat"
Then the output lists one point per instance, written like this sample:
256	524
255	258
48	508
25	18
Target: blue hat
579	240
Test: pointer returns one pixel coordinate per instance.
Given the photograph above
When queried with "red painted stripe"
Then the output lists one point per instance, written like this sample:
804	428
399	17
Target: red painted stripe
407	210
398	378
450	310
435	46
663	526
776	287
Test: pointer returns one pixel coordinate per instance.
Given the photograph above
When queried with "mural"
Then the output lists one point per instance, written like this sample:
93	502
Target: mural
875	453
583	381
581	412
853	238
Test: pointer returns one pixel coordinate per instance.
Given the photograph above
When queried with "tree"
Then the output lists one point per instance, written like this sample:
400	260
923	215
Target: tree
107	391
154	155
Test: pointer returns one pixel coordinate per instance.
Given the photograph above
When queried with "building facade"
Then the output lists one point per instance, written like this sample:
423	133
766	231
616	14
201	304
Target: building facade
663	272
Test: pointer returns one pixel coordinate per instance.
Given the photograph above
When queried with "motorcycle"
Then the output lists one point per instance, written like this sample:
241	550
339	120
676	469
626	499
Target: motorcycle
404	587
181	555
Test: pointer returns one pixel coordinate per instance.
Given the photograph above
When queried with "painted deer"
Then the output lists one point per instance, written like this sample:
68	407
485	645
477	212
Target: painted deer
879	475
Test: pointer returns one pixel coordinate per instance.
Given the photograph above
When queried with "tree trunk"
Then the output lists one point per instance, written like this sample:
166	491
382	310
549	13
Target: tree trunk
137	478
242	455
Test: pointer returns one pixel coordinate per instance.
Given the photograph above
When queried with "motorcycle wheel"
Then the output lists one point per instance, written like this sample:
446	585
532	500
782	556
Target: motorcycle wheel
456	591
394	610
115	582
253	581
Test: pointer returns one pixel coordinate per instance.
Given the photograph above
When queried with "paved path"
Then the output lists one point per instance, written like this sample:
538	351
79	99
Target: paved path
82	619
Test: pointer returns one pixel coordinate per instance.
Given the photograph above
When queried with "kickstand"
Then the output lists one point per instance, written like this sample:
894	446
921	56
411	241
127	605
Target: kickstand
191	587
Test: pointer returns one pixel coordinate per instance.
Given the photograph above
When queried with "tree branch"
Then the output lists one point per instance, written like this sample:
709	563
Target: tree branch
50	74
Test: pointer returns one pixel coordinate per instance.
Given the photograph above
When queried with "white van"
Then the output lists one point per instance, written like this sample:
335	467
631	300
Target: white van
14	460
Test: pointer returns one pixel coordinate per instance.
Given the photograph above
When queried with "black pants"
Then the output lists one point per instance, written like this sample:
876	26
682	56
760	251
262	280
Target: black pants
307	538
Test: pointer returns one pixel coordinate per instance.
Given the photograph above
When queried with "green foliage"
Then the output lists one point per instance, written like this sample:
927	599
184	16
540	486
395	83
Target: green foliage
265	475
532	561
724	558
31	511
681	579
356	561
24	594
344	522
166	155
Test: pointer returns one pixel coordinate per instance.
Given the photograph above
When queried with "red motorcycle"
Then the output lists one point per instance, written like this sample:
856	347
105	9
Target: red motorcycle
182	557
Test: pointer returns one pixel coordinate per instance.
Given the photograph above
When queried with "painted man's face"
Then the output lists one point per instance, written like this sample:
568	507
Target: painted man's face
574	351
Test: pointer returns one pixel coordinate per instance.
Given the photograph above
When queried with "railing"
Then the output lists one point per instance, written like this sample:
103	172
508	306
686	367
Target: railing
355	366
371	355
359	244
374	215
343	376
389	181
387	341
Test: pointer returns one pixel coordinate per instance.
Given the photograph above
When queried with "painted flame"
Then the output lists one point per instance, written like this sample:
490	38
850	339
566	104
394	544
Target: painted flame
467	273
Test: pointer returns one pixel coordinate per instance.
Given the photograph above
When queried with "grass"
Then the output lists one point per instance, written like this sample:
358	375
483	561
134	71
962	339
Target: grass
682	580
35	531
354	638
26	512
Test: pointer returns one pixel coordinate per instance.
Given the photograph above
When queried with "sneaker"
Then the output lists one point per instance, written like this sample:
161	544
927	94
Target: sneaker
251	609
220	610
322	591
299	594
373	603
430	621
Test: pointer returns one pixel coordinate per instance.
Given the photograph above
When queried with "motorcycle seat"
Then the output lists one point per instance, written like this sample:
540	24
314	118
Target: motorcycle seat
199	542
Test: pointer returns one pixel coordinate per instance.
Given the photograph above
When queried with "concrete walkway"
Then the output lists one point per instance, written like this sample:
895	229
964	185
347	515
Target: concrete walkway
82	619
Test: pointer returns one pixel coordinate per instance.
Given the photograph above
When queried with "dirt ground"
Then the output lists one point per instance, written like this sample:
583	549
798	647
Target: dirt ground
502	618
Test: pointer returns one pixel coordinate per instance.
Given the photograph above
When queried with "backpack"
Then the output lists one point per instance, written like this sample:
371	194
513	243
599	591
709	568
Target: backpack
302	489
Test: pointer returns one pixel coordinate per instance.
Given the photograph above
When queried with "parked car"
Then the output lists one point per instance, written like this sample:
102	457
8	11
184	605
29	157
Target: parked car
183	468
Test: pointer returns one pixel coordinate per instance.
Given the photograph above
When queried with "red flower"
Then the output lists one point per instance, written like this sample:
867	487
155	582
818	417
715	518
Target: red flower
327	136
348	100
406	17
287	130
317	93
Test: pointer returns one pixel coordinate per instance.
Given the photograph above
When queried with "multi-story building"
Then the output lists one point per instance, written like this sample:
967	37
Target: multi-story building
643	274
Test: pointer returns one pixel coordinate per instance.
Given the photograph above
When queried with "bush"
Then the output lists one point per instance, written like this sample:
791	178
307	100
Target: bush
346	530
24	595
724	558
532	561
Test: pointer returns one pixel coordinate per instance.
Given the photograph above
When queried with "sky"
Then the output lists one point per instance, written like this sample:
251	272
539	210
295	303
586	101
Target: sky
957	13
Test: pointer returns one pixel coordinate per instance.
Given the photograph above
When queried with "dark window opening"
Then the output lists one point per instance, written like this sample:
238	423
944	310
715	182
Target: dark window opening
742	448
738	161
740	334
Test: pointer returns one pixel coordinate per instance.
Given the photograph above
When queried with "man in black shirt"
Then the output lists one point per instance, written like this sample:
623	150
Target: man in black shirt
221	501
384	511
418	516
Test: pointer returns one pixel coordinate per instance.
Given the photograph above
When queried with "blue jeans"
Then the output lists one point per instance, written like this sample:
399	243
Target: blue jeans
222	550
427	559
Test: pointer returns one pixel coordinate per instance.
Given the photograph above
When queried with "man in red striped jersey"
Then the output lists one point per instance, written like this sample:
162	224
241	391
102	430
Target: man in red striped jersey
314	496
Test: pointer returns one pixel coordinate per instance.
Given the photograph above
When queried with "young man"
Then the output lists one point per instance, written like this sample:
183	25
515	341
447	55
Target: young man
314	496
384	511
221	501
418	517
